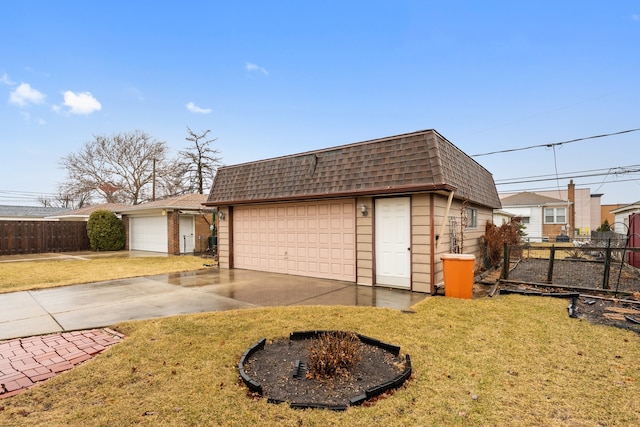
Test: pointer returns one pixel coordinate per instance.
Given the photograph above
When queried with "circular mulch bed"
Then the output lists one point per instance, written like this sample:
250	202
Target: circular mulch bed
276	371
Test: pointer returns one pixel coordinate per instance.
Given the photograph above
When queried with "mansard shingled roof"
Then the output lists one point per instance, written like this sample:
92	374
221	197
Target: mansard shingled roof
418	161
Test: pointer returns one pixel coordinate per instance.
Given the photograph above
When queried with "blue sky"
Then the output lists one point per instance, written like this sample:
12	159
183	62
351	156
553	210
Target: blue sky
282	77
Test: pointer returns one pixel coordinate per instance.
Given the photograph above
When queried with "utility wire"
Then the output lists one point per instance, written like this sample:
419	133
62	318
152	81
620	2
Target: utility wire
622	169
612	171
581	185
554	144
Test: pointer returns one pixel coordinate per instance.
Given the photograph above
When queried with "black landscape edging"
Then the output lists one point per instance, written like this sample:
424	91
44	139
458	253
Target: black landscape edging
252	384
299	405
354	401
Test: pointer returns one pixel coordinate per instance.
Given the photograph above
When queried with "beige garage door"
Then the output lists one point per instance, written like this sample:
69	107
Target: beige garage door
308	239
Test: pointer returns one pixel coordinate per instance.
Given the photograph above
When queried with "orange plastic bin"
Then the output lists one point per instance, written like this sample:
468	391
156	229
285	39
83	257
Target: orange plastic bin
458	275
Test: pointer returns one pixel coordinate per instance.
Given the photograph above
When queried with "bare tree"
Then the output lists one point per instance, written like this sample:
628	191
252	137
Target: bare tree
66	199
200	161
118	168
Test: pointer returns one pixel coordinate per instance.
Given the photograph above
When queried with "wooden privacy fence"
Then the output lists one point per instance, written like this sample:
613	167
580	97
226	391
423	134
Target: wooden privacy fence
29	237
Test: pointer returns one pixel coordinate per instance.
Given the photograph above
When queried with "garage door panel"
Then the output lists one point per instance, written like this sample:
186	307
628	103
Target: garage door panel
148	233
314	239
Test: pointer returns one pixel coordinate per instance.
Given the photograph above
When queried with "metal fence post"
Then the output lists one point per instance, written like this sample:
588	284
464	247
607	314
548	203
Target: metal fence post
607	265
505	263
552	256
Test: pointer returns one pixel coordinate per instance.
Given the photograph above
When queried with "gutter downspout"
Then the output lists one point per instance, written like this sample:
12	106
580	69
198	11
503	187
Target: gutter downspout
444	219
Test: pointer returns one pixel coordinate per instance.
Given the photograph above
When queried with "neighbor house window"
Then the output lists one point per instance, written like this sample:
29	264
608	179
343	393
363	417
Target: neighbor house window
555	215
472	218
525	219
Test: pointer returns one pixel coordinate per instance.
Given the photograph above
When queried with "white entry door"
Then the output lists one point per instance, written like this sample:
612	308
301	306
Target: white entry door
187	239
393	242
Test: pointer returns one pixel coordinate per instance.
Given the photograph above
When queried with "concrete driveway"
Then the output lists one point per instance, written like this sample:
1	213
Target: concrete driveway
103	304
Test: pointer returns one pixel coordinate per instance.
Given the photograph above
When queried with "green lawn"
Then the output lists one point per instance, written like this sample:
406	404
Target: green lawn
30	275
506	361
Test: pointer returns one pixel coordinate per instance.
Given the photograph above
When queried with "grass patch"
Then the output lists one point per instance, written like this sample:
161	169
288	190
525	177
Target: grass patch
24	276
510	360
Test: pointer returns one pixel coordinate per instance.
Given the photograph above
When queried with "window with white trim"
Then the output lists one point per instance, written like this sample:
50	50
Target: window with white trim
555	215
472	217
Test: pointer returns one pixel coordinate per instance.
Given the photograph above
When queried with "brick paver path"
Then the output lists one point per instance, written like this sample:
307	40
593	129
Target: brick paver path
26	361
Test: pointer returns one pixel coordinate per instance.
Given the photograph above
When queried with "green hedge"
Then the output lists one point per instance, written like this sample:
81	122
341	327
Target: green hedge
105	231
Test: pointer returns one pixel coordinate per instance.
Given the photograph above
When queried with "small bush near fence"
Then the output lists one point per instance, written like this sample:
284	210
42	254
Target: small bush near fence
106	231
29	237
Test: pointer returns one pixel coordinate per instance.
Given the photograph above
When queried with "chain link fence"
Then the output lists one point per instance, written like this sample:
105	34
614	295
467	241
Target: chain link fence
598	264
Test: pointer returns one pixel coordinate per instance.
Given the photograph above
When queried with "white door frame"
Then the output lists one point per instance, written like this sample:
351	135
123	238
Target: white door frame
393	241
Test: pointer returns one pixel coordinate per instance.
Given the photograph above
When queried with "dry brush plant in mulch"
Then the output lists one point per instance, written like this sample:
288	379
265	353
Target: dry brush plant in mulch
323	369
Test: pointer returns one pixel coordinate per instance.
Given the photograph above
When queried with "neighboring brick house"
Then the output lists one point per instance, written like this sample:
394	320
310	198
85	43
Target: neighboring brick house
544	217
377	212
175	225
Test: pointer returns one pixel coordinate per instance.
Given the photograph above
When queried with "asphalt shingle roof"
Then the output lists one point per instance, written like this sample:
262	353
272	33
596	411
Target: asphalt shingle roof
527	198
88	210
187	201
418	161
28	211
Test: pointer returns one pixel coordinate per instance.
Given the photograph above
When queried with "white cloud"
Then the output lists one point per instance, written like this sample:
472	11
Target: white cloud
80	103
25	94
4	78
195	109
253	68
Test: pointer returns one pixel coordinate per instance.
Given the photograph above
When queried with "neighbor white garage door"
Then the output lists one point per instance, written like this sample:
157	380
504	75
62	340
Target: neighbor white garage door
308	239
148	233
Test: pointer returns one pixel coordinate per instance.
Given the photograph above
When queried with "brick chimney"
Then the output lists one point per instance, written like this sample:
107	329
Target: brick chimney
571	194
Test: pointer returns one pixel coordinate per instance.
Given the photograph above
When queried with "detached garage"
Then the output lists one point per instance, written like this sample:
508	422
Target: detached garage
378	213
178	225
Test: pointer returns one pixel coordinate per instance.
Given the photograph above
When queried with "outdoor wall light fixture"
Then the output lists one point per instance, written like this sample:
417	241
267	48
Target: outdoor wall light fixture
221	215
364	210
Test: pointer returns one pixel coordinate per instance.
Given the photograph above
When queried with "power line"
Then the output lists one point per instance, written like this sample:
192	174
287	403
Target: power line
555	144
565	176
569	174
577	185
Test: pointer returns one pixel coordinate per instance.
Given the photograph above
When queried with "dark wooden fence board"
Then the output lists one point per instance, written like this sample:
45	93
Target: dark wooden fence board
28	237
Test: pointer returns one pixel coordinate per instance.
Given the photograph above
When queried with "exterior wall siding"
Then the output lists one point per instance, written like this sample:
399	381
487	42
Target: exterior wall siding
125	221
173	231
420	243
203	231
224	238
421	239
364	242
